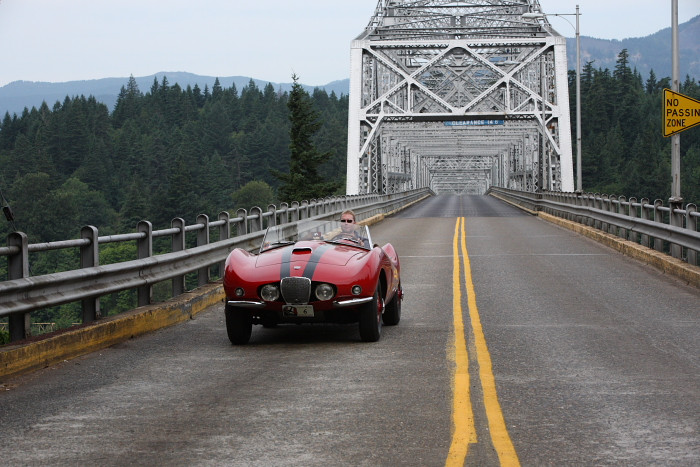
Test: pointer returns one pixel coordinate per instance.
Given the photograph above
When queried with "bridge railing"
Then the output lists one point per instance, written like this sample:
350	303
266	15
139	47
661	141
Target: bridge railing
21	293
670	229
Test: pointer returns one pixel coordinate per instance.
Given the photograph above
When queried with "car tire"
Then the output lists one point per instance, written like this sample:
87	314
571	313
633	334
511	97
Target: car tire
371	318
392	310
239	325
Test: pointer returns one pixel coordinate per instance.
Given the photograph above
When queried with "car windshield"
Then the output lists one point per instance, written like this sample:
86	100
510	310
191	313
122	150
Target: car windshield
351	234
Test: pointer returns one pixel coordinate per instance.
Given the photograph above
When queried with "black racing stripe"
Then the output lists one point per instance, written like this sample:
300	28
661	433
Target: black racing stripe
286	269
313	261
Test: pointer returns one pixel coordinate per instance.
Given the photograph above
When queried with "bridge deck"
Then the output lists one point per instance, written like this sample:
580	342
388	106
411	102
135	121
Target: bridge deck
595	359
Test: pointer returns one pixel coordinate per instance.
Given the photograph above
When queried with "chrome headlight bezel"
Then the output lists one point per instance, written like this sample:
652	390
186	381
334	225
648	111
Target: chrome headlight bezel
270	292
324	291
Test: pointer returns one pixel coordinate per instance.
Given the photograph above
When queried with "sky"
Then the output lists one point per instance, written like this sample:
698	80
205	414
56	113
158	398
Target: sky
66	40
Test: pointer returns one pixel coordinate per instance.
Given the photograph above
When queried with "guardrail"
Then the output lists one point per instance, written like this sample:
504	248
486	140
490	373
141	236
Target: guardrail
22	294
671	229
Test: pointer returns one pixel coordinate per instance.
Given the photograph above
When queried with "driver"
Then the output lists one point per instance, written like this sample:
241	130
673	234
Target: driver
348	226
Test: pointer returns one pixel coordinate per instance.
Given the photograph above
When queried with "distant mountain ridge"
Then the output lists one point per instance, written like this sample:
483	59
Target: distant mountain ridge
15	96
645	53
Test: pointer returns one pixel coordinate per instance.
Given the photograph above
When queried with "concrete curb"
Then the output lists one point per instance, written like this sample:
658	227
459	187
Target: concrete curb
22	358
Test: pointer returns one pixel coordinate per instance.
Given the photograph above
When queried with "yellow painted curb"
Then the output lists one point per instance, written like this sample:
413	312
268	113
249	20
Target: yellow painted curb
665	263
15	359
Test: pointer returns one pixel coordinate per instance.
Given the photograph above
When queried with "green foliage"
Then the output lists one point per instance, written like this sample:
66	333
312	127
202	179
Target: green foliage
304	182
252	194
4	336
624	151
166	153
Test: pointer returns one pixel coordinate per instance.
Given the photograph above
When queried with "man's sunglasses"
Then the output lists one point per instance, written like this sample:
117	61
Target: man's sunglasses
349	221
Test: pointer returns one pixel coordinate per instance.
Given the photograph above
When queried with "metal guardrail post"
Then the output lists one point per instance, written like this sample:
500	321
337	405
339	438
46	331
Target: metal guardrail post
144	247
605	206
242	227
18	267
178	244
644	214
224	234
676	220
89	257
613	207
284	213
256	219
691	223
597	204
203	275
633	214
587	202
622	209
658	217
272	218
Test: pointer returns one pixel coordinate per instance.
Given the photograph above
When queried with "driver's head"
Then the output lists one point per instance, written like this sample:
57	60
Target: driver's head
347	221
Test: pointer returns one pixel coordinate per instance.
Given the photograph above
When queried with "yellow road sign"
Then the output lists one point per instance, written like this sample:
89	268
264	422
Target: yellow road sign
680	112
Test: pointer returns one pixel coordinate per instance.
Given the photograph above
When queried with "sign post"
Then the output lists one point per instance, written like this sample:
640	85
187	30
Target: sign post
675	202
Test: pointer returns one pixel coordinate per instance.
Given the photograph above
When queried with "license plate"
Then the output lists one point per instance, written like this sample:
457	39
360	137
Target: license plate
298	311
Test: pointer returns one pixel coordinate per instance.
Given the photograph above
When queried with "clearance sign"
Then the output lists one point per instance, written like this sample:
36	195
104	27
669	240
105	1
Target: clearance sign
680	112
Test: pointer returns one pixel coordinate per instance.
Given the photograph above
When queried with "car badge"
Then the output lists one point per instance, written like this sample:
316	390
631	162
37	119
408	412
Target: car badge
296	268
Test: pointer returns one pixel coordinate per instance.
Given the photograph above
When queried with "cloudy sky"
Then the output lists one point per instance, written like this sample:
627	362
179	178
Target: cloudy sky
65	40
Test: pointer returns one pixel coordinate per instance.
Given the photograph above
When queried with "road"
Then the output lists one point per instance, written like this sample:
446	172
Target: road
585	356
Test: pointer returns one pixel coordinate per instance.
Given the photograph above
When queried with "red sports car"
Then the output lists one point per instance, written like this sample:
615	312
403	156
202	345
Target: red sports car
311	272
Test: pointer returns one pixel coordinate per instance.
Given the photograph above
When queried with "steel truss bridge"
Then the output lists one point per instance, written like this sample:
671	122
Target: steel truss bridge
458	96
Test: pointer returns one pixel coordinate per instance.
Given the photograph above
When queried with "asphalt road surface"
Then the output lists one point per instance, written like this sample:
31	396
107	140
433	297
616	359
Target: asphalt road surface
556	351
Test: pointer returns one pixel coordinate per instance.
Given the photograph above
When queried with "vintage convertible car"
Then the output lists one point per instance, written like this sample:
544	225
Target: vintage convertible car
313	272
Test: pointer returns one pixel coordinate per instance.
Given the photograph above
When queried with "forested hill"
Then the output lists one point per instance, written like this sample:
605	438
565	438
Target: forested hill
15	96
164	153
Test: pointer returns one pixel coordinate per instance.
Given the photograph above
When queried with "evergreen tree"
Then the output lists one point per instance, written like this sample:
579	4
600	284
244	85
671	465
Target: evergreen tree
128	103
303	181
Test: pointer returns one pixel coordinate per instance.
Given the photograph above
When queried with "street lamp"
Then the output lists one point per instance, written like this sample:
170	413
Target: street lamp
540	15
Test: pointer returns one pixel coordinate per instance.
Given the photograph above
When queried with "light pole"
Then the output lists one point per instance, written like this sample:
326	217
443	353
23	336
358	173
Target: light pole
539	15
676	85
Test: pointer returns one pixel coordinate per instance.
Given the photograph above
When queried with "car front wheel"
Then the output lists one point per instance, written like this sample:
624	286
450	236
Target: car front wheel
239	325
371	318
392	311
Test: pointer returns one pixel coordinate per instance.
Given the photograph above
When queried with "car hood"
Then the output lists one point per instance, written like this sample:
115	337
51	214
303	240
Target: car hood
311	251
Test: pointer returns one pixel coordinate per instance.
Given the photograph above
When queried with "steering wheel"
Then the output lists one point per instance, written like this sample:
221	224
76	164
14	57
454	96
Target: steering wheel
347	236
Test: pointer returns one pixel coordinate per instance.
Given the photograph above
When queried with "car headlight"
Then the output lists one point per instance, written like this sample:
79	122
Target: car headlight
270	292
324	291
356	290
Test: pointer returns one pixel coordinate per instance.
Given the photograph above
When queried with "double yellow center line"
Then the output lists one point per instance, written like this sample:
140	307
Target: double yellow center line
464	428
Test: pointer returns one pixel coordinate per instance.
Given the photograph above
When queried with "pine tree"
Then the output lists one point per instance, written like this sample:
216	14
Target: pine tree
303	181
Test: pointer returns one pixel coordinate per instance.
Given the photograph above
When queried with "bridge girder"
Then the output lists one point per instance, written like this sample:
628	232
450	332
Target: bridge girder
458	80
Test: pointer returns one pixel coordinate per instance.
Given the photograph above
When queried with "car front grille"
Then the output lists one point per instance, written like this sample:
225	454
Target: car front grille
296	290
